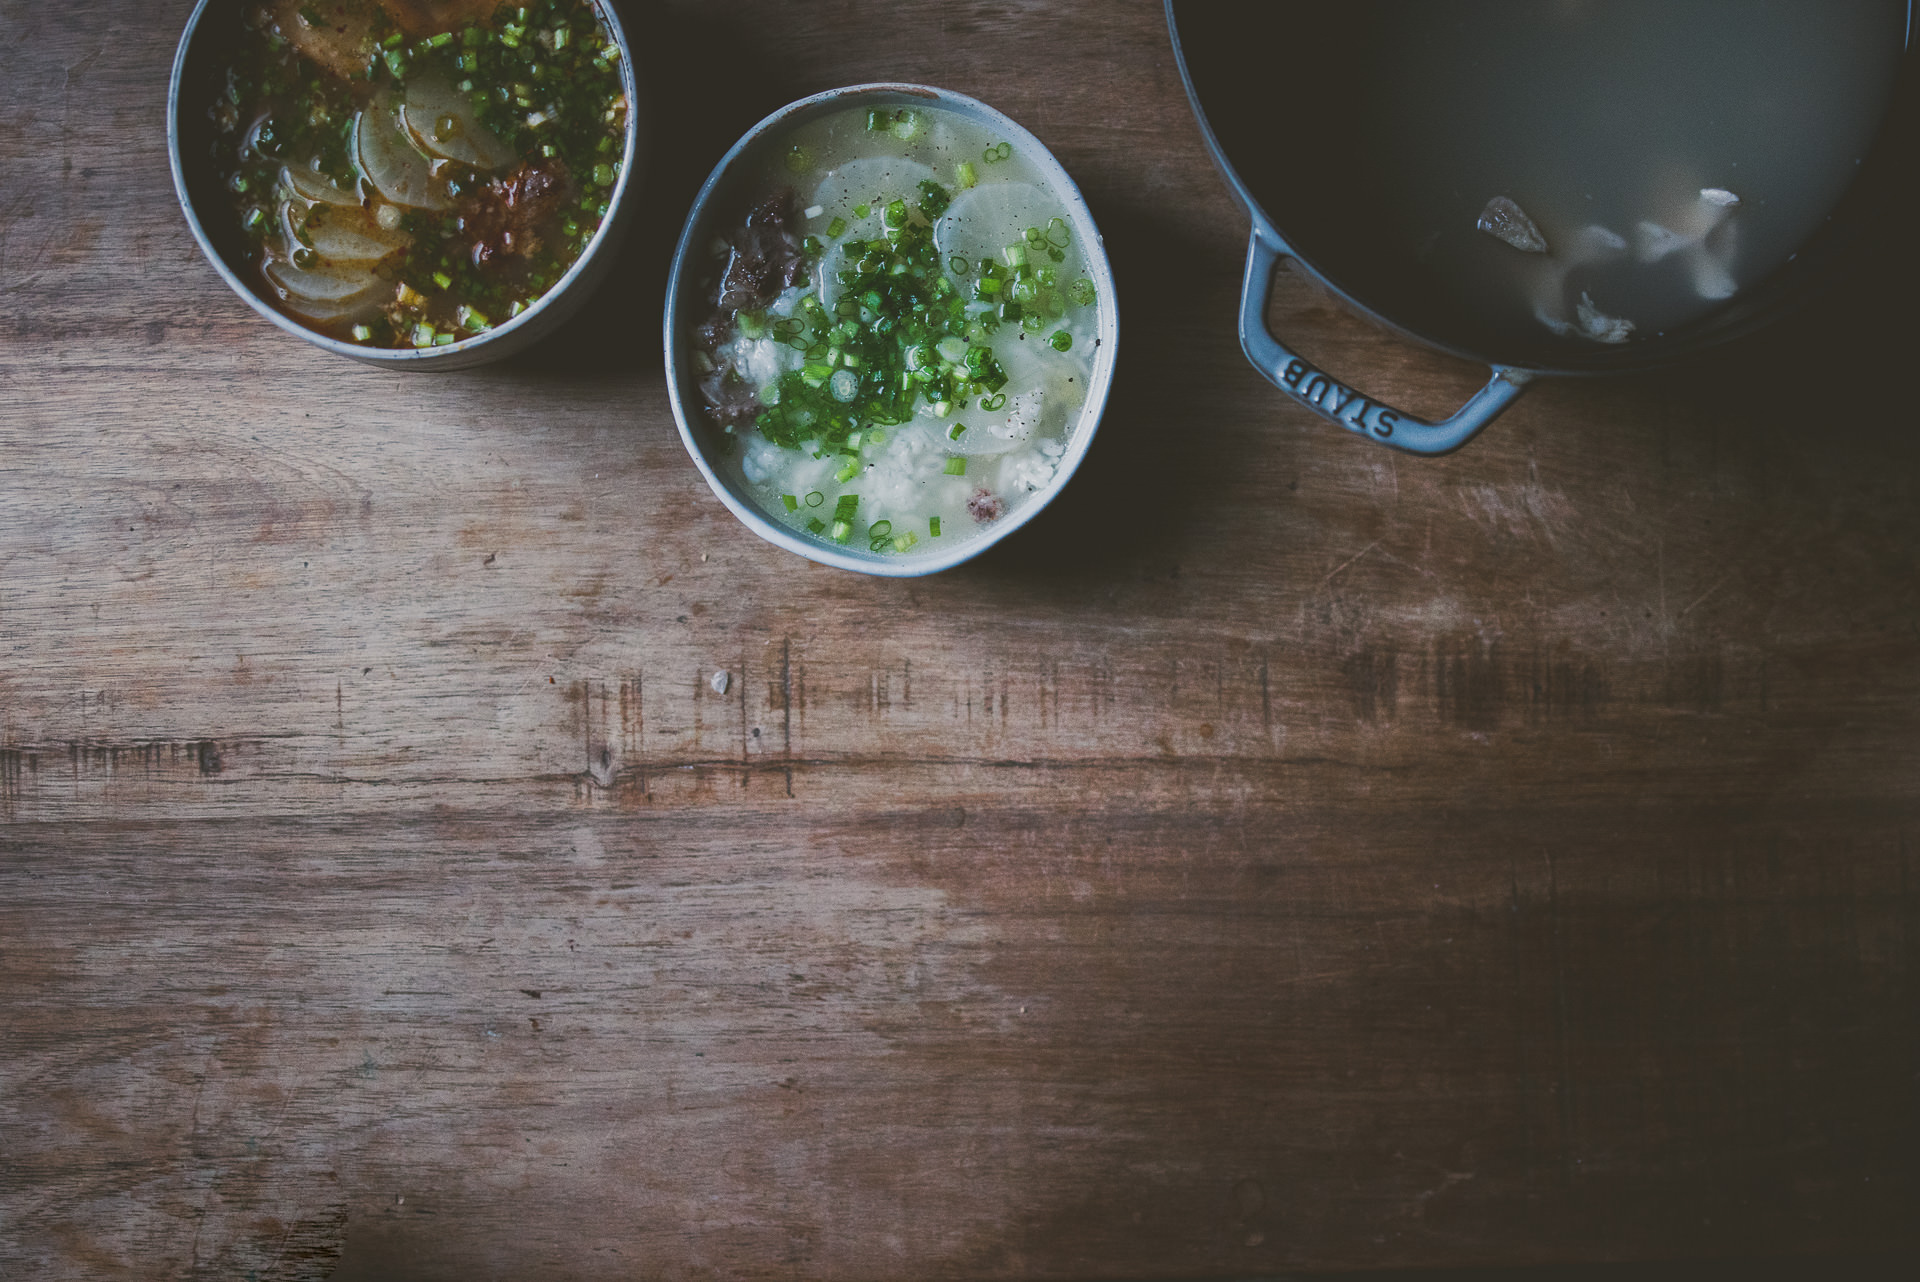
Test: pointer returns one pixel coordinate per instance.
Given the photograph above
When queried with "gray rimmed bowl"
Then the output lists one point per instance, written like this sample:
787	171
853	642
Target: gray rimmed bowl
727	194
208	40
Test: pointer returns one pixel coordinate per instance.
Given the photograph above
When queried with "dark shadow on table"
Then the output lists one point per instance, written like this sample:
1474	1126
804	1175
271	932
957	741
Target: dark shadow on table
697	104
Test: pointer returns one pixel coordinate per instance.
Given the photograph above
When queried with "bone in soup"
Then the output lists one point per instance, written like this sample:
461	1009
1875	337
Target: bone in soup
409	173
900	333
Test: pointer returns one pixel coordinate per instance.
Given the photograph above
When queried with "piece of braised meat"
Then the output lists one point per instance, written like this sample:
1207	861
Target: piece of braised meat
731	401
765	257
505	216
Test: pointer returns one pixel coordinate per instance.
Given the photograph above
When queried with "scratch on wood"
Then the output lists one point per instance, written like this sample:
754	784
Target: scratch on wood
746	761
1563	1089
786	709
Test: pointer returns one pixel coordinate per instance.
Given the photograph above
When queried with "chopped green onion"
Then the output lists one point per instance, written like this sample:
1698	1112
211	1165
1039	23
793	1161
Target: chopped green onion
896	215
815	498
845	506
791	503
443	280
363	333
992	403
847	471
1081	291
954	432
956	466
861	211
1059	235
837	227
998	152
1016	256
841	532
933	526
906	125
1060	341
934	198
966	173
815	525
880	530
799	159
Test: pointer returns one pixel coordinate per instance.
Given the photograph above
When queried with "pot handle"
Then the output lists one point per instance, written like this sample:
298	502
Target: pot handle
1332	399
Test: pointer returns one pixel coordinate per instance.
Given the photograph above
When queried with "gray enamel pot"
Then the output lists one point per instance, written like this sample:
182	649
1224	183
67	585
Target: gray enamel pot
205	45
1272	84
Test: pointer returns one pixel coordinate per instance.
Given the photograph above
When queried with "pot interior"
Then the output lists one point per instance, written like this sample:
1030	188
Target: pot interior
1373	135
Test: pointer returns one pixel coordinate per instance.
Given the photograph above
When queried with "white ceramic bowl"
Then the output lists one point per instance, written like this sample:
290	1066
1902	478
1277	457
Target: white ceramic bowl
720	202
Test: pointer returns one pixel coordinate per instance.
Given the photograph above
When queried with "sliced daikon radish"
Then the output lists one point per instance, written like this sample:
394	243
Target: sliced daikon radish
315	189
390	162
1043	386
872	181
324	284
359	308
875	182
343	236
334	33
439	120
983	221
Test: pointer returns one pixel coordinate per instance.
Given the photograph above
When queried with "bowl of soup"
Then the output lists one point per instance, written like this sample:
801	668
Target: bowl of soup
425	184
1566	188
890	328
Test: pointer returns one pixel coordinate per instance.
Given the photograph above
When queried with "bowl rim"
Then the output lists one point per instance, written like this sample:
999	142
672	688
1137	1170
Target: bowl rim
1099	380
403	357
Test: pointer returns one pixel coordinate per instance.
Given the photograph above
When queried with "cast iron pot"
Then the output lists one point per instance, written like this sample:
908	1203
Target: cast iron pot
1274	85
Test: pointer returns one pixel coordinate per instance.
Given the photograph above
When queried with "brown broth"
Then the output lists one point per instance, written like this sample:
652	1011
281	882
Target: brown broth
409	173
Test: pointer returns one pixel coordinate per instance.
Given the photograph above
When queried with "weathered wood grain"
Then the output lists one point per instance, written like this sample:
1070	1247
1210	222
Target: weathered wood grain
1283	854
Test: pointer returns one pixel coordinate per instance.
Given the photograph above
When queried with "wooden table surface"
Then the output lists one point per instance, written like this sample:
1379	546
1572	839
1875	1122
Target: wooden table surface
1282	855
